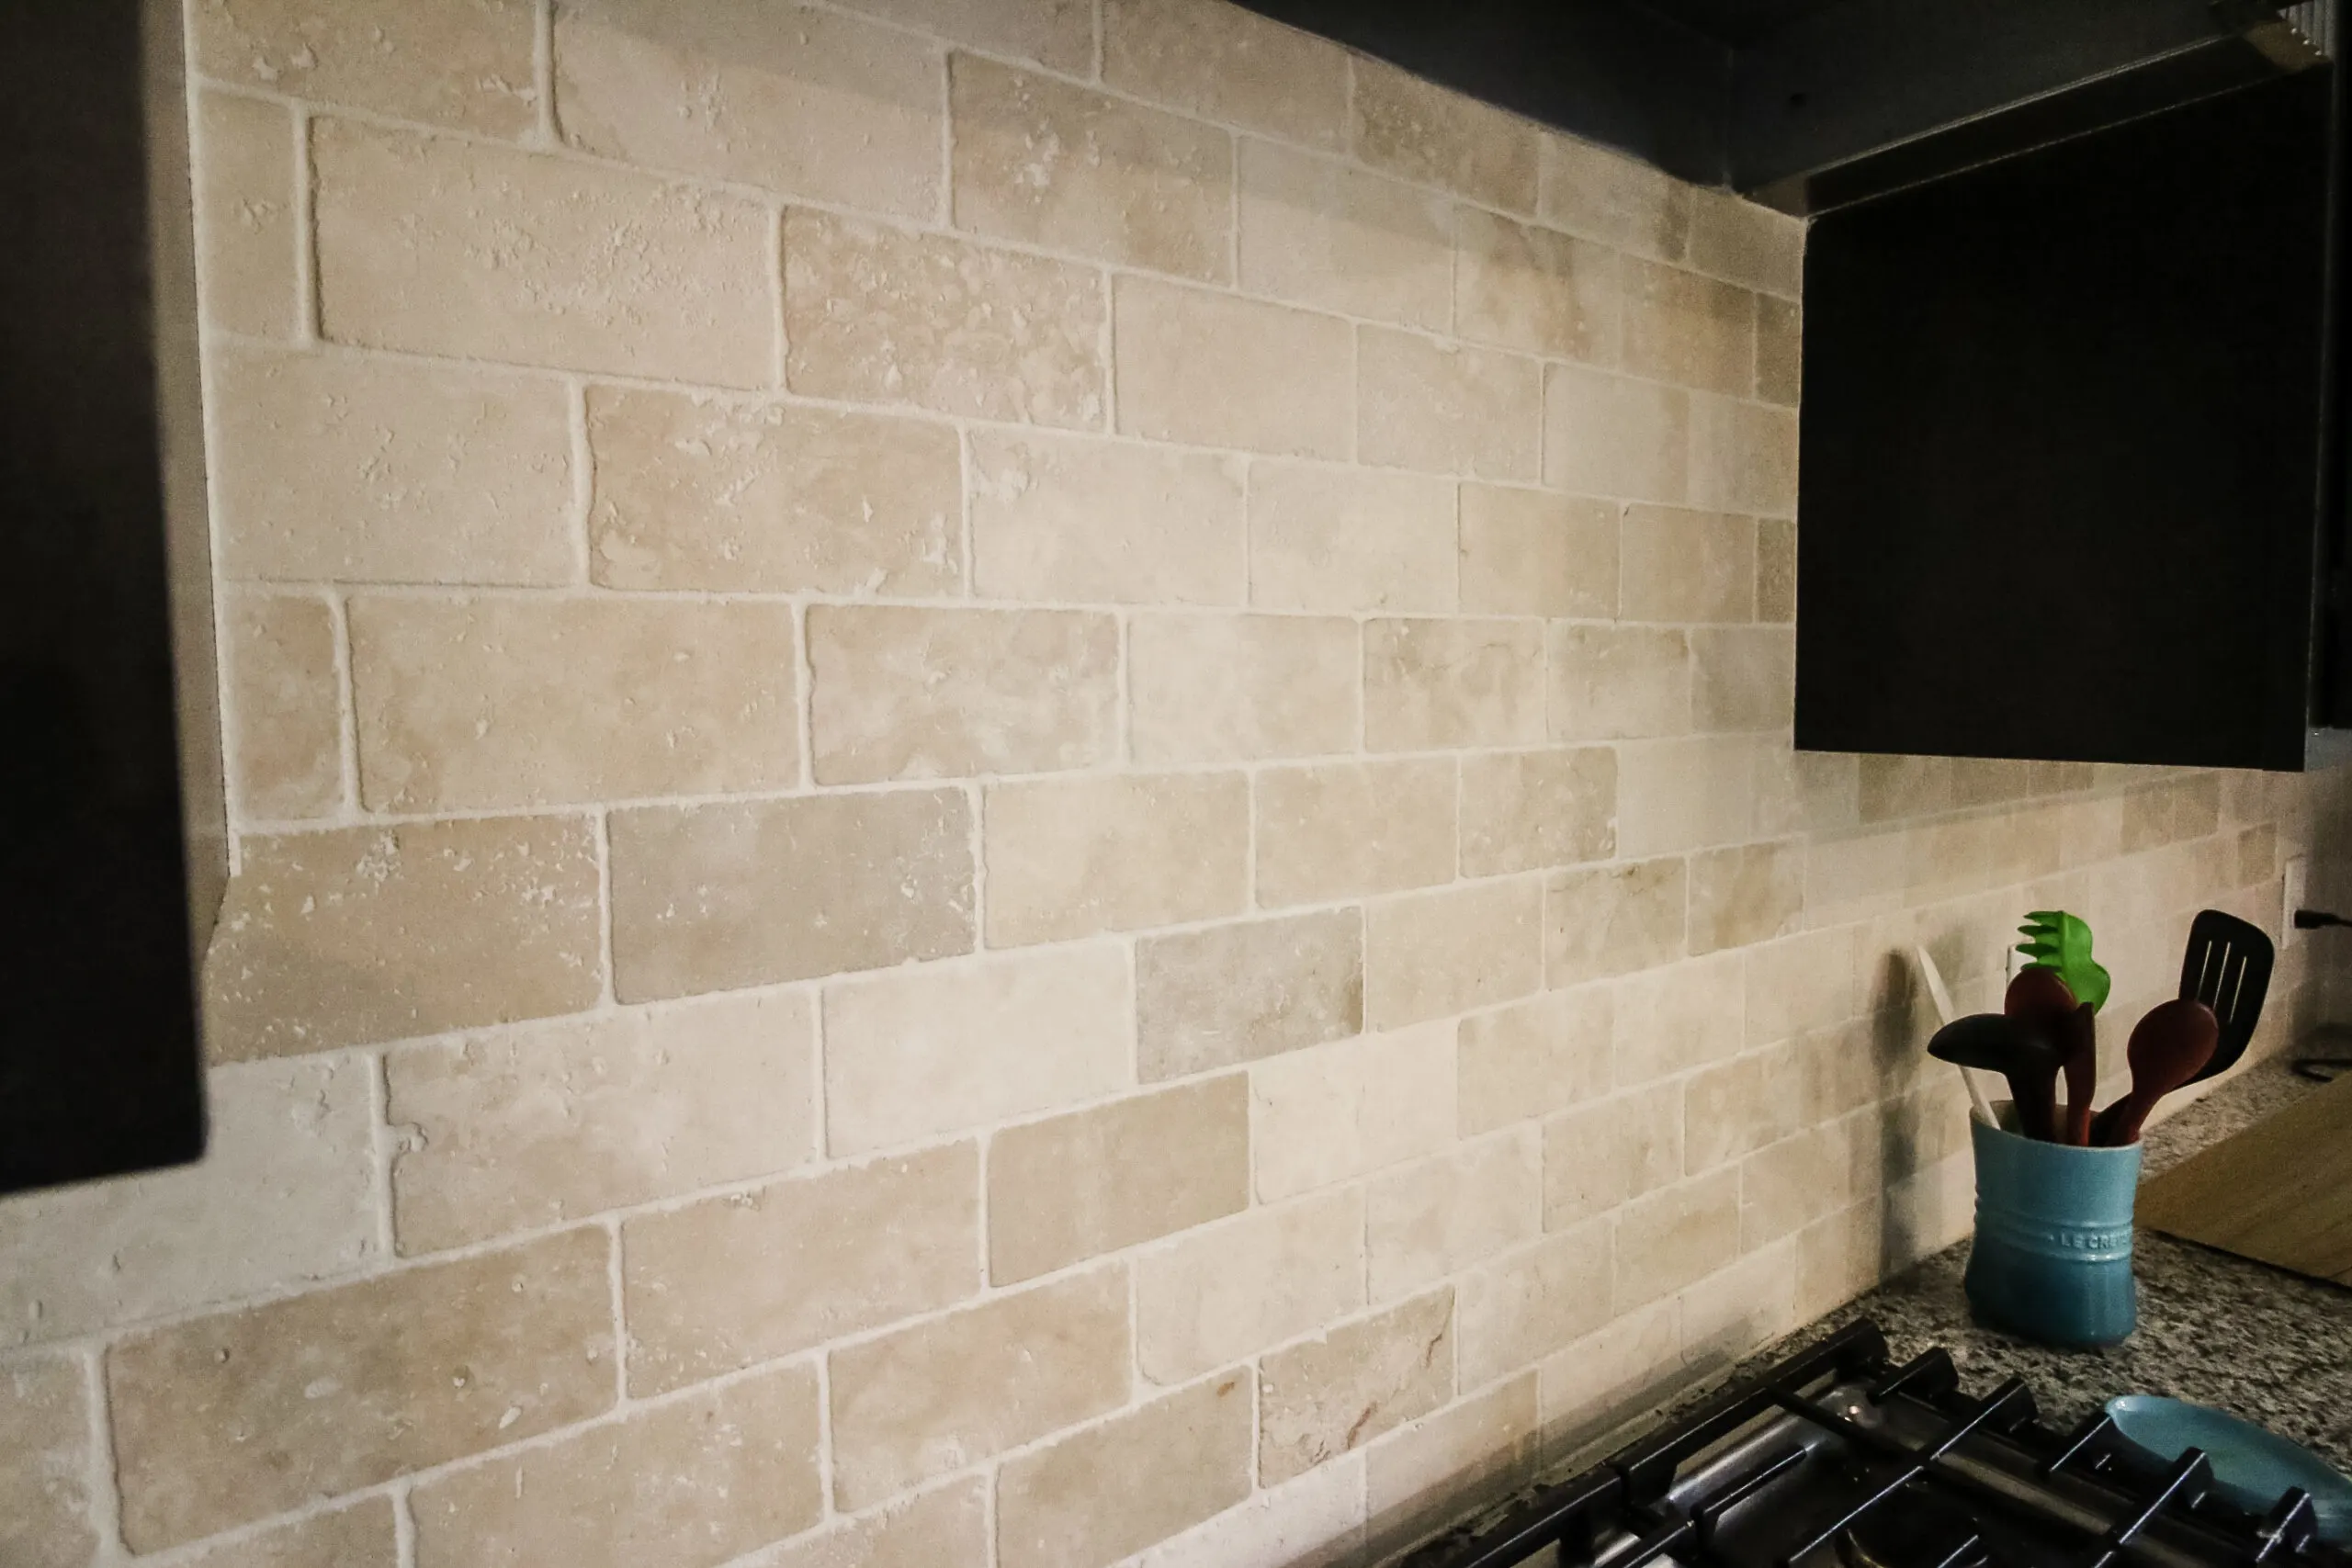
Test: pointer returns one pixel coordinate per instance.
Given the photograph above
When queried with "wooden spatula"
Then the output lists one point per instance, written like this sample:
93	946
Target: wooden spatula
2168	1048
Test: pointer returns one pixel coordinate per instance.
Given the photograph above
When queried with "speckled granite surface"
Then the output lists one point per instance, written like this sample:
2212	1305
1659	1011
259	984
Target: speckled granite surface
2221	1330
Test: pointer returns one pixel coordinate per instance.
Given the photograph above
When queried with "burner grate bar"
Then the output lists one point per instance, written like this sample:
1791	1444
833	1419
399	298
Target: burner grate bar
1920	1463
2193	1470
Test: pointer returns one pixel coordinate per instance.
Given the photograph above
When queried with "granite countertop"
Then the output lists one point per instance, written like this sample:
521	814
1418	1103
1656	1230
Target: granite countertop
2221	1330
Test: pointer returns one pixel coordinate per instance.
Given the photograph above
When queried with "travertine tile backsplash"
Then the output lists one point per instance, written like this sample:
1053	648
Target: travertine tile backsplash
1014	787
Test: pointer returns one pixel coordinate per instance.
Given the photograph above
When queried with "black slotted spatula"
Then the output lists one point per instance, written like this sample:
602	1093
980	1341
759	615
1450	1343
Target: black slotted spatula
2227	967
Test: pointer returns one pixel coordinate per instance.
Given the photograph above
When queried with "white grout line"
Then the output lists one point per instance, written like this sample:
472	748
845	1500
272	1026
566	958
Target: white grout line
349	809
544	131
384	1144
106	1493
404	1499
621	1398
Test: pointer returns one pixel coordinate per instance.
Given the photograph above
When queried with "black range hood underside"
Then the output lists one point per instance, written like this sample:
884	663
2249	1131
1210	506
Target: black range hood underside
1809	105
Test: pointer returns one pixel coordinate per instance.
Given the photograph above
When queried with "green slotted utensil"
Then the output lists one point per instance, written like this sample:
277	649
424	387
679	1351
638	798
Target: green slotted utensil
2056	939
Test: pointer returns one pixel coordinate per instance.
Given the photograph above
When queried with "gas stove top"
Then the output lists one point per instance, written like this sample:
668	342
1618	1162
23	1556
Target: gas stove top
1837	1459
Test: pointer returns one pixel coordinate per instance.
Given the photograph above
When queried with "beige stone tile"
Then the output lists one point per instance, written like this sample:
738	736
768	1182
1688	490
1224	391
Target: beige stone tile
1447	409
734	495
1336	1392
327	466
1814	791
1776	570
694	1481
234	1418
440	247
944	1394
1437	683
1744	677
1518	1310
1622	201
1905	787
1536	289
1804	983
1533	1057
1317	232
1746	895
1779	350
1215	370
1525	552
1675	1237
1747	243
1424	132
1239	993
1219	62
797	100
478	704
1046	164
458	62
937	1049
898	693
1731	1313
1343	829
1316	1521
1058	33
1229	688
244	153
1838	1258
1688	330
1799	1180
2254	855
1097	1495
534	1126
1679	1017
878	315
843	1252
361	1536
284	713
361	934
1431	954
1738	1107
1322	1116
1222	1294
1525	811
1468	1457
1428	1219
1606	1379
1342	539
1075	1187
44	1488
1610	920
949	1525
1617	681
1680	565
1743	455
713	898
1606	434
1070	858
1068	518
1598	1156
1684	794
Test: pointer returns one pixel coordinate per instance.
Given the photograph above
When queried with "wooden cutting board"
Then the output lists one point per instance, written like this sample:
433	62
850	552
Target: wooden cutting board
2279	1191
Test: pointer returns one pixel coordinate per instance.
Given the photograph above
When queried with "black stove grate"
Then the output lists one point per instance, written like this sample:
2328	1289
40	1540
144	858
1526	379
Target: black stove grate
1836	1459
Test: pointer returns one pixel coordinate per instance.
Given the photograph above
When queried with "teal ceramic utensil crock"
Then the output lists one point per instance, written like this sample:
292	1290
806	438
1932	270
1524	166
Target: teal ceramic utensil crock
2053	1256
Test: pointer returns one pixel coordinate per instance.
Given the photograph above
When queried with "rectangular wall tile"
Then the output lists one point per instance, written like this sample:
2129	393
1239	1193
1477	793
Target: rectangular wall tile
1074	1187
284	712
244	153
1097	1495
440	246
1520	1309
1533	1057
713	898
843	1252
907	693
1608	1378
1447	409
353	1386
1676	1236
44	1489
1226	1292
1205	60
1685	794
797	100
1525	811
361	1536
1214	370
1343	829
1611	683
1779	352
938	1049
1055	33
1226	688
1747	243
1422	132
1320	232
1435	684
1746	895
1743	455
327	466
734	495
359	934
1614	919
445	61
940	1395
949	1525
1462	1460
1611	436
1102	522
532	1126
1322	1116
1791	1184
1776	570
1593	191
1534	290
1316	1521
1428	1219
1688	330
1319	1400
1343	539
1683	1016
1738	1107
873	314
1525	552
1072	858
1680	565
694	1481
1430	955
1239	993
1050	165
1598	1156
